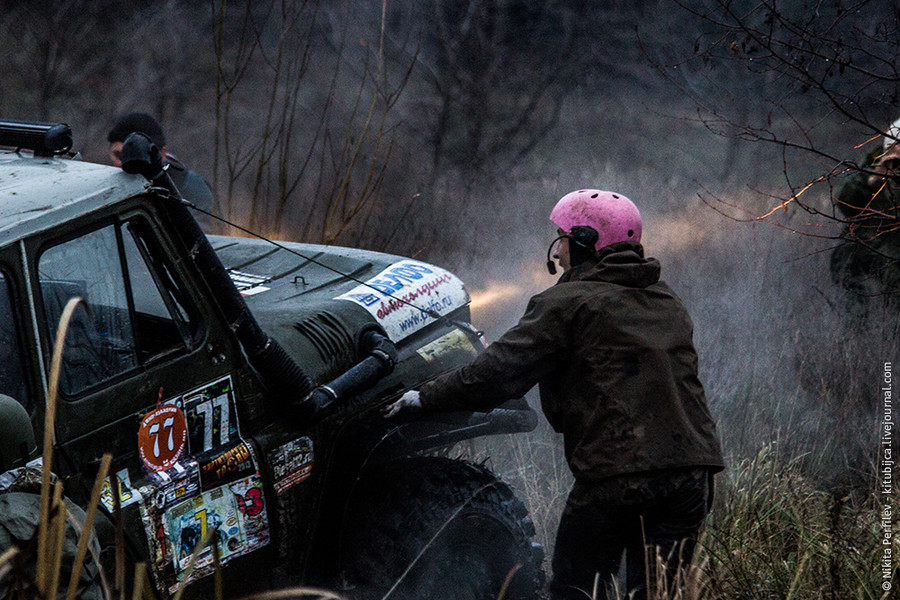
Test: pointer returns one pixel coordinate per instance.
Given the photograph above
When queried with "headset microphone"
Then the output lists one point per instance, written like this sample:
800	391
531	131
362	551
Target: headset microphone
551	266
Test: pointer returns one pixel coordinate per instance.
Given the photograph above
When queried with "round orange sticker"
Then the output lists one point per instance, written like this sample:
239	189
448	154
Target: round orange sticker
162	437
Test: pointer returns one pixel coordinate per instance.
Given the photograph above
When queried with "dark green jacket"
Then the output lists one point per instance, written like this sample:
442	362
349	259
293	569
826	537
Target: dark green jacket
194	189
867	263
611	347
876	206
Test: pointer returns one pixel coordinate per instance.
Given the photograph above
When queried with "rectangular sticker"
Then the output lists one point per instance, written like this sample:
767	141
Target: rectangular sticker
248	493
212	417
216	513
180	482
127	493
226	466
248	284
408	296
456	340
291	464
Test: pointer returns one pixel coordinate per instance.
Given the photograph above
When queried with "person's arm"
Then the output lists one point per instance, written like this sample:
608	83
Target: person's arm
512	365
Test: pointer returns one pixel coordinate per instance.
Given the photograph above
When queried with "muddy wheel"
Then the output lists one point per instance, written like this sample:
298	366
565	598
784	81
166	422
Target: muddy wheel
434	528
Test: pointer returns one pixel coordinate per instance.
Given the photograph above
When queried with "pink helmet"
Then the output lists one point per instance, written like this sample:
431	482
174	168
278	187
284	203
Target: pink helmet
613	216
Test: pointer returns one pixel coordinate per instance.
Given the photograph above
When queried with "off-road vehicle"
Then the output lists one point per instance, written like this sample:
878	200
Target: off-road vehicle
239	384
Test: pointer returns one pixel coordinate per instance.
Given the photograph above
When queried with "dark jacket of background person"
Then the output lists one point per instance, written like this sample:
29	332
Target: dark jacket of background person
194	189
861	197
868	263
611	347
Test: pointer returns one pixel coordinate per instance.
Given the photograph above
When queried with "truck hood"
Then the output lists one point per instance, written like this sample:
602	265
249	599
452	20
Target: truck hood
290	282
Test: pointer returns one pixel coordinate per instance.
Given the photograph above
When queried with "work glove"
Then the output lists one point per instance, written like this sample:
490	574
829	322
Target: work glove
408	403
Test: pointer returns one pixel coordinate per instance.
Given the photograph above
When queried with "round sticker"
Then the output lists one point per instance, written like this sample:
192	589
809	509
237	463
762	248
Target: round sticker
162	437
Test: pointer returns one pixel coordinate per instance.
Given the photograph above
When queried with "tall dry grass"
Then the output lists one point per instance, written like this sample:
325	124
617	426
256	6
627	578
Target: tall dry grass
773	533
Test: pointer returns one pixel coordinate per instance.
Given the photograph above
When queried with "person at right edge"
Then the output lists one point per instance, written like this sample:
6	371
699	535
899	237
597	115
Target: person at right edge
867	264
611	347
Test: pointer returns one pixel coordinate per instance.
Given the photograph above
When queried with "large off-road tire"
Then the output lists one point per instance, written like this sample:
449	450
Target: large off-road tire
432	528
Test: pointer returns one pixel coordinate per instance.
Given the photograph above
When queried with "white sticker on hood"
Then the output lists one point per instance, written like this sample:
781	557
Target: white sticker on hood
248	284
408	295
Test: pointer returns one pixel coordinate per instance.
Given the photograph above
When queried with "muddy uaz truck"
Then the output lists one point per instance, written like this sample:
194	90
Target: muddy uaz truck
239	385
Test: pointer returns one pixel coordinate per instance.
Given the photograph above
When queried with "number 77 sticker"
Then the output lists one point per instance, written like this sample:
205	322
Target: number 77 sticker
162	437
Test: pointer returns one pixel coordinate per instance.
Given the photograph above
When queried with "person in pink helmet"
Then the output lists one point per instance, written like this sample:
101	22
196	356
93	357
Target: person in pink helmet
610	346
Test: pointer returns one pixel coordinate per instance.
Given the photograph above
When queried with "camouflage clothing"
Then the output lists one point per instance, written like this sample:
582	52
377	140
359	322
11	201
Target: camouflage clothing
867	263
24	479
610	345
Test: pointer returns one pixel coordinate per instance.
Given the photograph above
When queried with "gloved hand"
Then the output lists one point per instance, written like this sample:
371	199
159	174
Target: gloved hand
408	402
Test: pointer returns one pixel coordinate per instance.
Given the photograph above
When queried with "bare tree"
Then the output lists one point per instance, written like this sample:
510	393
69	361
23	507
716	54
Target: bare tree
493	76
827	79
305	158
54	50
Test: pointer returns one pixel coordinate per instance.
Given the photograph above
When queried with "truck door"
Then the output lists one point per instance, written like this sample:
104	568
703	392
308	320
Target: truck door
147	345
142	330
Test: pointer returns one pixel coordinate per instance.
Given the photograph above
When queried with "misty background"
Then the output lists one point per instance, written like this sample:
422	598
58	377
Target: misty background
447	130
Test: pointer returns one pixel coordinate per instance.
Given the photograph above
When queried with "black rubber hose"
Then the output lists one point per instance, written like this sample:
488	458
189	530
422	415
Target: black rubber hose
366	373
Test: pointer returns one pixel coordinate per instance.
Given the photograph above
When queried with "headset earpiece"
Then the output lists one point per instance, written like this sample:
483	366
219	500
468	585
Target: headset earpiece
585	236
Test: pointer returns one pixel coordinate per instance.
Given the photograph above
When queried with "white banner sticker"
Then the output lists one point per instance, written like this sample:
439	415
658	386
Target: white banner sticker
409	295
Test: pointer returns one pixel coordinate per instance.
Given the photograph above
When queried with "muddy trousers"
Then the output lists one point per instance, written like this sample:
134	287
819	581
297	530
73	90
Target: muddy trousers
631	514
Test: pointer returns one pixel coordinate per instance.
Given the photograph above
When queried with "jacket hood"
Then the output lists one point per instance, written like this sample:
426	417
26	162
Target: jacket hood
622	263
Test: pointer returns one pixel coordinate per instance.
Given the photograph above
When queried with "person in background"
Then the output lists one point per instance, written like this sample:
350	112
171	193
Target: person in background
190	184
611	348
868	263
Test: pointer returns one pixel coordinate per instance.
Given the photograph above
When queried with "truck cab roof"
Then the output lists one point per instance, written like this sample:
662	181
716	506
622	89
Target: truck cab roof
38	192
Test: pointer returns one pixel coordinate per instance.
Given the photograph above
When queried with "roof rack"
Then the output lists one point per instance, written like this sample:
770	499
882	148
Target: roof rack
44	139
